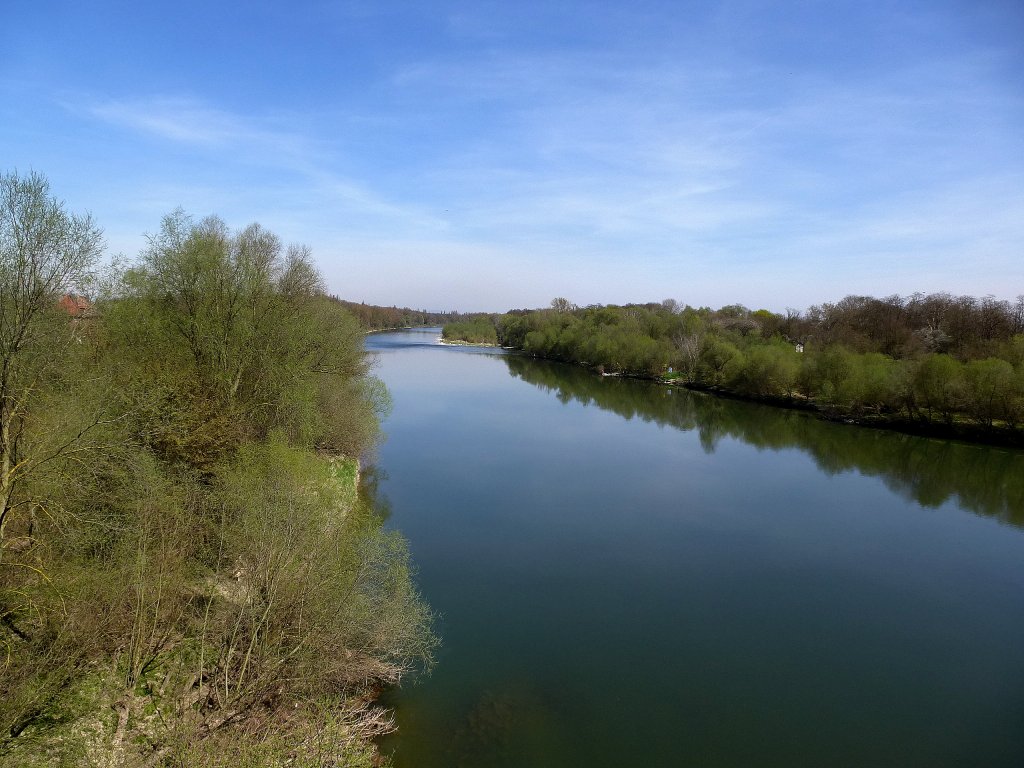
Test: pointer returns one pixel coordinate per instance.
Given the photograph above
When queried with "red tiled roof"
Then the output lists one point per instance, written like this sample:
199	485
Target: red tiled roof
76	306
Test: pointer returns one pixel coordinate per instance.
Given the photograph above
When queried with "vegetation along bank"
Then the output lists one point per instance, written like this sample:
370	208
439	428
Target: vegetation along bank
938	364
188	572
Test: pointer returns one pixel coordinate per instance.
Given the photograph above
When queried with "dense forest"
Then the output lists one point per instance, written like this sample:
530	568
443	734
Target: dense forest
937	362
189	574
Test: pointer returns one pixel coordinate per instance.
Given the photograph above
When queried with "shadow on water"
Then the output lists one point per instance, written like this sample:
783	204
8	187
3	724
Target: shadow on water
510	726
987	481
511	723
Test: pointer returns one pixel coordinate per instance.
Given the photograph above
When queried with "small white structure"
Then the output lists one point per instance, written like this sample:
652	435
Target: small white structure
799	347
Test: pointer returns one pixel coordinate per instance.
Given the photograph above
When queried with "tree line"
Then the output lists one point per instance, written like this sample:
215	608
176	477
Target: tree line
941	362
189	574
378	318
474	330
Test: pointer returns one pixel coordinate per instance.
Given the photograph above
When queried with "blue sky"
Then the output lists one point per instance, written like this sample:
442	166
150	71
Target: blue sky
484	156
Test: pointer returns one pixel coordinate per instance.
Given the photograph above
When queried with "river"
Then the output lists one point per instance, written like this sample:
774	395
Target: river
627	574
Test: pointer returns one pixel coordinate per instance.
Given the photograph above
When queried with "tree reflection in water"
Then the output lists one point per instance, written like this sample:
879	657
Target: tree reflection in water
985	480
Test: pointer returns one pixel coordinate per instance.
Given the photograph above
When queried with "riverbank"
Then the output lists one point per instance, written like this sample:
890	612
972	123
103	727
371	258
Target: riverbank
460	343
1000	435
368	331
167	713
906	369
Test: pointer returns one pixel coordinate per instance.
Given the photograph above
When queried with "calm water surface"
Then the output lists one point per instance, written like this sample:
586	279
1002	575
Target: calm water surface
628	575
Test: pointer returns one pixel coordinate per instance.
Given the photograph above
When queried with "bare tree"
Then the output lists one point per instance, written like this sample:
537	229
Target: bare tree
690	344
1017	315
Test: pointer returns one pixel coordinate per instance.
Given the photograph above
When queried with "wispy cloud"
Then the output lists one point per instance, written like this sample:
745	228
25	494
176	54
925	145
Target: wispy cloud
252	141
180	120
687	158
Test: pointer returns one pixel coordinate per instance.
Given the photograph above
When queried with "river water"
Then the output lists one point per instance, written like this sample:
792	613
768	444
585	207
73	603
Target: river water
628	574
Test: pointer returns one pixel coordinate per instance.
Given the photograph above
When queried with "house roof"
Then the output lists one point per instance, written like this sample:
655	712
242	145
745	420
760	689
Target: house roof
76	306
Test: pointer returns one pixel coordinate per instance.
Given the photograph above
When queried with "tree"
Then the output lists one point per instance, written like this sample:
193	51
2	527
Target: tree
769	370
243	337
718	357
688	340
991	390
45	252
938	384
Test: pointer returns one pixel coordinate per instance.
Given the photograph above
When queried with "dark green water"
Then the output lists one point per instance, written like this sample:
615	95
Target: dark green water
632	576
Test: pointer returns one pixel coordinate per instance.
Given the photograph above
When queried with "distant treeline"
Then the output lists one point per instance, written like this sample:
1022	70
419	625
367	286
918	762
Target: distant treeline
375	318
476	330
953	362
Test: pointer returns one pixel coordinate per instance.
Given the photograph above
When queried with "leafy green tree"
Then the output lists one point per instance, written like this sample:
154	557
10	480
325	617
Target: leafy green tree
871	383
718	361
241	337
45	252
938	385
991	390
768	370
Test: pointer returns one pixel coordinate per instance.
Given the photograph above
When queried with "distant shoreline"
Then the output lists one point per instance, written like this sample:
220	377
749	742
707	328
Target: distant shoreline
1001	437
459	343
